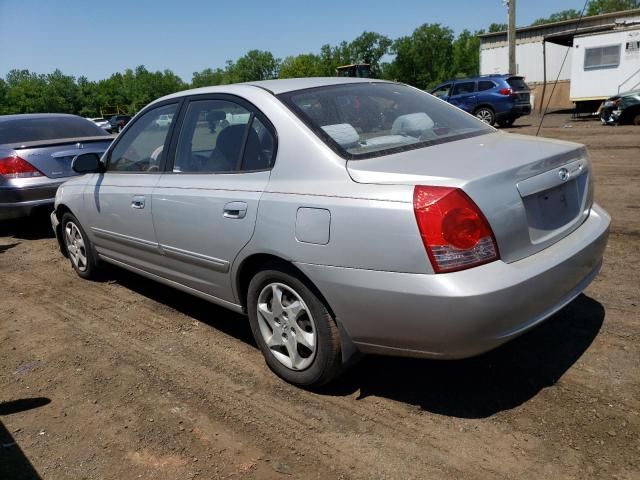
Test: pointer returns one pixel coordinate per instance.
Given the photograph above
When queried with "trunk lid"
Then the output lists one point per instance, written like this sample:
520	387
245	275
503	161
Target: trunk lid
53	157
532	191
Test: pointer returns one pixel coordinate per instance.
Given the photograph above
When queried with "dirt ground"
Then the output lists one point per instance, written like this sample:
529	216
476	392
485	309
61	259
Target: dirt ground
127	379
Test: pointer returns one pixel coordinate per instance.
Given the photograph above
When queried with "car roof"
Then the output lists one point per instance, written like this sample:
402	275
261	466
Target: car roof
25	116
276	87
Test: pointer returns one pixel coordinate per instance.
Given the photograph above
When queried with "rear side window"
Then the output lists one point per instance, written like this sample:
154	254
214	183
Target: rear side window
602	57
363	120
484	85
47	128
464	87
517	83
222	136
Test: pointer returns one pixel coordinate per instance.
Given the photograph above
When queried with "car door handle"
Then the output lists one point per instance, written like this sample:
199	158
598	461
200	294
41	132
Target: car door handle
235	210
137	202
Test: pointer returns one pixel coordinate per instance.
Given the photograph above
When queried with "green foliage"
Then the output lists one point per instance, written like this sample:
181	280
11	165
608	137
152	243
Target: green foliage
369	48
304	65
597	7
497	27
466	55
558	17
424	58
255	65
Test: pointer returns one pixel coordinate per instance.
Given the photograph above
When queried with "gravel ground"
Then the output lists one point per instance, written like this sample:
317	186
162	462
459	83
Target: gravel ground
126	378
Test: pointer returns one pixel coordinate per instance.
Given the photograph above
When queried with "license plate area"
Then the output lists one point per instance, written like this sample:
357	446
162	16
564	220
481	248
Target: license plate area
551	211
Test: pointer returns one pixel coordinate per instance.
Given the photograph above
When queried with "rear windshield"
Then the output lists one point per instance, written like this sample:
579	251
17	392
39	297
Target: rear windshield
43	128
517	83
364	120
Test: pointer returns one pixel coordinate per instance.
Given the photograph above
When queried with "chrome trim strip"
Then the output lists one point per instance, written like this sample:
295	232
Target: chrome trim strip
197	293
119	237
196	258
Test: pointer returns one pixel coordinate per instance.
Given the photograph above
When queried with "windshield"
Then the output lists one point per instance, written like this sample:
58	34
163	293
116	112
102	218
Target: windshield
47	128
364	120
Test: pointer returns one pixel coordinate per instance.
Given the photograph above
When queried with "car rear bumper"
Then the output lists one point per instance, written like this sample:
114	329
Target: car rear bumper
16	202
461	314
514	112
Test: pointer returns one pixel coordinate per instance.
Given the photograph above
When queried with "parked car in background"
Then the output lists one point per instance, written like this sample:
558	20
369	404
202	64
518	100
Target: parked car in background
118	122
623	108
102	123
164	121
344	216
35	157
493	99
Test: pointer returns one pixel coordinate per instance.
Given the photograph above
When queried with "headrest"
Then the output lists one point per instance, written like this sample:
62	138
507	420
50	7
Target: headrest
413	124
216	115
343	133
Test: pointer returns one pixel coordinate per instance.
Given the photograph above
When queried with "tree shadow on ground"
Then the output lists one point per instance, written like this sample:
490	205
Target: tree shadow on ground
473	388
482	386
14	464
220	318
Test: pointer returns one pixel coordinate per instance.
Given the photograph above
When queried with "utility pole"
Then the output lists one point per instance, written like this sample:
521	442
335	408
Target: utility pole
511	36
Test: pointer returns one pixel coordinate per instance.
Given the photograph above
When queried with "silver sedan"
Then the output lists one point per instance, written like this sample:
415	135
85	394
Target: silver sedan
343	216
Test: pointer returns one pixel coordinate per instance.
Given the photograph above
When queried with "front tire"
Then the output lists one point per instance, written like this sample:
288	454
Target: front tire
296	333
79	248
486	114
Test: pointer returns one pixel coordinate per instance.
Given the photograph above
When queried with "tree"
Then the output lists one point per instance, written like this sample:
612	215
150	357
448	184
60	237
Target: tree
558	17
466	55
256	65
597	7
497	27
369	48
424	58
304	65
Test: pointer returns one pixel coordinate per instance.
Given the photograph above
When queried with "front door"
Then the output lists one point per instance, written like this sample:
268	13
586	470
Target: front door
205	206
463	95
118	203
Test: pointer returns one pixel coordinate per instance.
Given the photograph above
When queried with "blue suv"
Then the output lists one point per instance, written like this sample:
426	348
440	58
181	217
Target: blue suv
492	98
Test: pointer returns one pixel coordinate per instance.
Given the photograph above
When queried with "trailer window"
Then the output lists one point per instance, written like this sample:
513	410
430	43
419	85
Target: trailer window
602	57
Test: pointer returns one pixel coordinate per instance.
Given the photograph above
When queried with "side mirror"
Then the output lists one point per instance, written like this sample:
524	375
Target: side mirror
87	163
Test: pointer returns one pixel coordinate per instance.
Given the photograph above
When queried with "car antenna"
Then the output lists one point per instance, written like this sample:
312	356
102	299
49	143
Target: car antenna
561	67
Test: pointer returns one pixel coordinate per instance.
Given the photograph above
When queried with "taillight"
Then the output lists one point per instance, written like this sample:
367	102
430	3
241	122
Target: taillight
16	167
505	91
454	231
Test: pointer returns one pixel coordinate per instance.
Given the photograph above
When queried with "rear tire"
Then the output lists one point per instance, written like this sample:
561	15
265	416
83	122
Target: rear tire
506	123
296	333
486	114
636	119
79	248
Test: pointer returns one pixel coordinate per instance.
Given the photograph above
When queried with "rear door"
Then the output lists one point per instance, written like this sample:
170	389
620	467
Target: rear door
463	95
205	206
118	203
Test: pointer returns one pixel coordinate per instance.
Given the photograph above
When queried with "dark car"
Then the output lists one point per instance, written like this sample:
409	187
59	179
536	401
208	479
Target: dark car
623	108
35	157
118	122
493	99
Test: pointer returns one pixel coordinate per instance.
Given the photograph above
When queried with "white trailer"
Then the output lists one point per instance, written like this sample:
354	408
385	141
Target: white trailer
605	64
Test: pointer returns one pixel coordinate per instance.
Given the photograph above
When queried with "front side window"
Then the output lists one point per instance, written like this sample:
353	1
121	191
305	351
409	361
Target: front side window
363	120
222	136
442	91
602	57
141	149
464	87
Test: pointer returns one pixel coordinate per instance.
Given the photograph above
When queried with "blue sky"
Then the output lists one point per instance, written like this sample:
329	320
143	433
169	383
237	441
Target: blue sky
98	37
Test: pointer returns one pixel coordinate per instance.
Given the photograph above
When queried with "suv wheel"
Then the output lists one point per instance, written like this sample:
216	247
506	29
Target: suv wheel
506	122
486	115
294	330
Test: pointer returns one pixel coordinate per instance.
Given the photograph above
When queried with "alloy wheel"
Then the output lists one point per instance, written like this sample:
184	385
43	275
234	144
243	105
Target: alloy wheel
287	326
75	246
485	115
